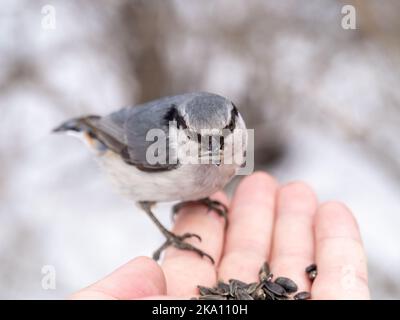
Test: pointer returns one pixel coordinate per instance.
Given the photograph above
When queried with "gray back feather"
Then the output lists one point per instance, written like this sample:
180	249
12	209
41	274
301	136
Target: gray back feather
124	131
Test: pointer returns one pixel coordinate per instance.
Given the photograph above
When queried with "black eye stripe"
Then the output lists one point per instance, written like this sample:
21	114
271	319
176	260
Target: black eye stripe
221	142
173	115
232	124
235	110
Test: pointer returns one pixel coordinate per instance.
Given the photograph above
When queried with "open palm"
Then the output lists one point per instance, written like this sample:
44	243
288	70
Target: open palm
283	225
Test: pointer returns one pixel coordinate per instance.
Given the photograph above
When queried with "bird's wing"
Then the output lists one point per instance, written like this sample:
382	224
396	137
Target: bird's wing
124	132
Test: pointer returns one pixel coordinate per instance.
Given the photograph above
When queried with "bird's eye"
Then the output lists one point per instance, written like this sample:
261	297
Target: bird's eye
231	125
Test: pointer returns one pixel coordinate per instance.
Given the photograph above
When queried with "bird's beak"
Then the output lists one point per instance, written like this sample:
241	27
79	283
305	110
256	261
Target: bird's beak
220	159
214	148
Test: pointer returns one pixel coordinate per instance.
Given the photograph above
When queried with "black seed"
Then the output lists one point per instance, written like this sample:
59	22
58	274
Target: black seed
265	268
206	291
275	288
289	285
259	294
234	285
212	297
265	289
312	275
265	272
311	271
270	276
241	294
252	287
222	288
241	284
311	267
304	295
268	295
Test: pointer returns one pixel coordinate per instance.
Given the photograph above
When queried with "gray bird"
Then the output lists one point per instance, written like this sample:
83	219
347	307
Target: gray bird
150	170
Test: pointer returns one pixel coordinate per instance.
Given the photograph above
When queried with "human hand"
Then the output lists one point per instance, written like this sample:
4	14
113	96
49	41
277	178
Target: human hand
283	225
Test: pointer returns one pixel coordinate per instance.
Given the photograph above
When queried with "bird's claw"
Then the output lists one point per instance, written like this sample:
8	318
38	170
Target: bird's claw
179	243
212	205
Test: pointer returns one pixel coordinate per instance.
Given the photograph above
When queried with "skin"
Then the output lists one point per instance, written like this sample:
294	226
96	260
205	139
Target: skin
282	224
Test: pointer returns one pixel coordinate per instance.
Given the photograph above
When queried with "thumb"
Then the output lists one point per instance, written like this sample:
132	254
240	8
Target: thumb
139	278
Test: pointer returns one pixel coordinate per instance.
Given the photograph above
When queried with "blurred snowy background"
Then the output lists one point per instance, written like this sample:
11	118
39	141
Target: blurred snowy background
324	102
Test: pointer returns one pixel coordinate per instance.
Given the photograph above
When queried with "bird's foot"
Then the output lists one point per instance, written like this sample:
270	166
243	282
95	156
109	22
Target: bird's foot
179	243
218	207
177	207
214	205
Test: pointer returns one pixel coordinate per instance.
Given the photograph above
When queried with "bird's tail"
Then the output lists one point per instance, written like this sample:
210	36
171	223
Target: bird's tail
76	124
89	129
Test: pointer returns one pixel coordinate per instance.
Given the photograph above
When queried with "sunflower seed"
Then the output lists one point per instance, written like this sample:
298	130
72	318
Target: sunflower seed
269	295
304	295
204	291
264	289
252	287
275	288
241	284
265	272
289	285
311	271
234	285
222	288
311	267
312	275
242	295
212	297
259	294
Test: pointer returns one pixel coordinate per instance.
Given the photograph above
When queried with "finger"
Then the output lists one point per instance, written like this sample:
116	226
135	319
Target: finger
248	236
340	257
184	270
293	241
138	278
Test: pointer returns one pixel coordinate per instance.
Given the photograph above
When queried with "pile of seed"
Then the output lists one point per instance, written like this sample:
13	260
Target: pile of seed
266	288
